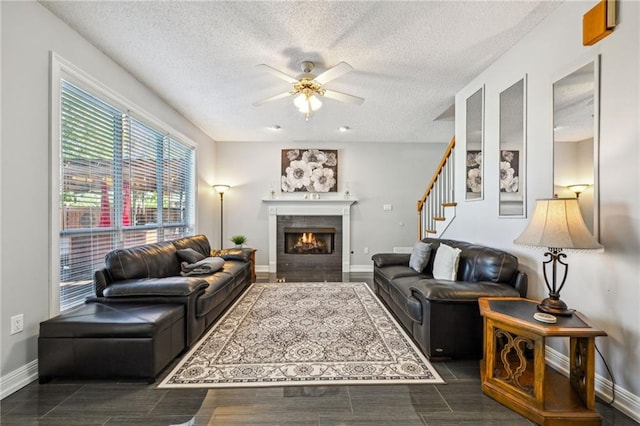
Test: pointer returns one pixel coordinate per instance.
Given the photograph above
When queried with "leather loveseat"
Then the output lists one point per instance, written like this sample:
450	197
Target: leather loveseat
151	273
441	315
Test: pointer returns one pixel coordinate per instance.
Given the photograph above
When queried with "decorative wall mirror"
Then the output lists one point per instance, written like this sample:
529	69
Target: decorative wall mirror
513	150
474	145
576	140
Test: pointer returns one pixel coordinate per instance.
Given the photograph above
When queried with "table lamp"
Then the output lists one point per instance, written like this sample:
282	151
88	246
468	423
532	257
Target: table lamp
557	224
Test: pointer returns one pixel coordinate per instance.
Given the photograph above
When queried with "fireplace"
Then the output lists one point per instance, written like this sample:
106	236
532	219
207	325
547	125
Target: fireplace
305	240
327	213
309	248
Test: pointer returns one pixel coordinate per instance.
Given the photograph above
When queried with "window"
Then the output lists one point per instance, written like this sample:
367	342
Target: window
122	183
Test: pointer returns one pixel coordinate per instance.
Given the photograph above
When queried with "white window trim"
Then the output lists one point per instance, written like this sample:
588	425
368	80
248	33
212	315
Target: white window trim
60	68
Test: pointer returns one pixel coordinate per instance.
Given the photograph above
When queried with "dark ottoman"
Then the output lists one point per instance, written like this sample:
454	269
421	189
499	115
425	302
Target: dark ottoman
117	340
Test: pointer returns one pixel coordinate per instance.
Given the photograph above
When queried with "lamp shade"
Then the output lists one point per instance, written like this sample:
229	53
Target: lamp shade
221	189
557	223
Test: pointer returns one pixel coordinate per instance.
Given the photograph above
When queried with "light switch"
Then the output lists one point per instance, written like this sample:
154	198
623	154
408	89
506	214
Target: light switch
387	207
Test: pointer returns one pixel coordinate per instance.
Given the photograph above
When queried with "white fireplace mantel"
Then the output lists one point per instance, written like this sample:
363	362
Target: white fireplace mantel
307	207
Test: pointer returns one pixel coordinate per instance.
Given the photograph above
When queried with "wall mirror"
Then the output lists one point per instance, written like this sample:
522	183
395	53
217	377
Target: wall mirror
474	145
513	150
575	140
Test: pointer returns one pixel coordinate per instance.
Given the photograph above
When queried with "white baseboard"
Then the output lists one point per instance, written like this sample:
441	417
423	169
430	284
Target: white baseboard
17	379
625	402
361	268
403	250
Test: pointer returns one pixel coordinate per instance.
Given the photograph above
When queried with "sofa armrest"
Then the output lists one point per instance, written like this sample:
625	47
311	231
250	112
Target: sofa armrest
169	286
388	259
100	281
243	254
521	283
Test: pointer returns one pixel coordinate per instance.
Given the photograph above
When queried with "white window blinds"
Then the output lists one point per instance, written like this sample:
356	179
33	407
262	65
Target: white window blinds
122	183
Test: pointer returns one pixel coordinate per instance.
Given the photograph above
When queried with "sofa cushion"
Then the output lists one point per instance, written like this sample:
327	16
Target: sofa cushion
199	243
156	260
487	264
189	255
167	286
401	293
445	265
221	285
419	256
460	291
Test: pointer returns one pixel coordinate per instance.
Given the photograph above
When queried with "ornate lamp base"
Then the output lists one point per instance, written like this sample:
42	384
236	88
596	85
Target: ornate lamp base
555	306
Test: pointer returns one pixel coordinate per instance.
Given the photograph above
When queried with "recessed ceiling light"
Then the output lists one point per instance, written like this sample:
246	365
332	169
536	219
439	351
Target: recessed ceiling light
344	128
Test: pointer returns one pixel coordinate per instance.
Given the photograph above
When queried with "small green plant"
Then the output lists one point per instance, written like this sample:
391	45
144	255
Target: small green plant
238	239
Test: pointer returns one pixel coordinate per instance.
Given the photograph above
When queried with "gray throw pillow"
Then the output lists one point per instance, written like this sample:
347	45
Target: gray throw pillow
420	256
189	255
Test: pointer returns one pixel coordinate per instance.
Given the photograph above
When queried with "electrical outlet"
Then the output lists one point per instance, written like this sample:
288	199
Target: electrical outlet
17	323
366	250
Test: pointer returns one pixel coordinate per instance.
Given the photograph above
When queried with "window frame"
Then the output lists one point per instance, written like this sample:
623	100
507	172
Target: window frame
60	69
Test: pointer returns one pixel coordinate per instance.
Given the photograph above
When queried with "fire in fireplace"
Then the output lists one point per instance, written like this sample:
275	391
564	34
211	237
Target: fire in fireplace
309	240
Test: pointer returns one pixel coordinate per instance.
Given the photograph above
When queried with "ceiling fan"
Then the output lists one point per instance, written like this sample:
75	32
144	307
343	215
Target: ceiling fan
308	88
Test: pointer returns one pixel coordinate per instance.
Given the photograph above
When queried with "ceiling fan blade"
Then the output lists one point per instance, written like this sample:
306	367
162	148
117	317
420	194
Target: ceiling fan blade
272	98
278	73
333	73
343	97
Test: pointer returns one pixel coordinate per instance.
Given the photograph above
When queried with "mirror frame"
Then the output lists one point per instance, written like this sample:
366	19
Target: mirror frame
594	61
518	197
474	150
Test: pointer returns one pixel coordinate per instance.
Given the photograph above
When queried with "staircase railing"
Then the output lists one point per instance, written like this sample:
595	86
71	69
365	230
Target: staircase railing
437	196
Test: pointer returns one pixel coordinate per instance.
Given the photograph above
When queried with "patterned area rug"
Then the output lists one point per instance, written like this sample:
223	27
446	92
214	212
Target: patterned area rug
295	334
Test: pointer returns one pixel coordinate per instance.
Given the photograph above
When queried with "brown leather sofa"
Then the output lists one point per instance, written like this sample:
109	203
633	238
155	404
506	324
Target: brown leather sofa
145	312
443	316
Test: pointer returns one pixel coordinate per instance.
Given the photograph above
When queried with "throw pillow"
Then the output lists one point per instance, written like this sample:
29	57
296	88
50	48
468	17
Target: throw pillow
419	256
445	264
189	255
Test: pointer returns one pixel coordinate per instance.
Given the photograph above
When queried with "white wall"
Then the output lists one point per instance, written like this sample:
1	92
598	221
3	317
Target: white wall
29	33
606	287
378	173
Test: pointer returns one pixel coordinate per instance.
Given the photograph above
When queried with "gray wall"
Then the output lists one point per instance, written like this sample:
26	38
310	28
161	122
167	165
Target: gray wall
605	287
29	33
378	173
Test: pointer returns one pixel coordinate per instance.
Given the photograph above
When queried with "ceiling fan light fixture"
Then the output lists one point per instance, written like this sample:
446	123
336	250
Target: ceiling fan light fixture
307	103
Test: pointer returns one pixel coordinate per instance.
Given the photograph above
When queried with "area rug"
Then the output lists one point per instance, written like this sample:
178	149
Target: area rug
300	334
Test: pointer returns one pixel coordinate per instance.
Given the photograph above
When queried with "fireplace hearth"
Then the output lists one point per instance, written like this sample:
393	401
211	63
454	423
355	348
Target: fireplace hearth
309	248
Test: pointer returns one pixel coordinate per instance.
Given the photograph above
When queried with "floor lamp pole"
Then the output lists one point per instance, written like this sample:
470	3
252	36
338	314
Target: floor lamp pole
221	189
221	219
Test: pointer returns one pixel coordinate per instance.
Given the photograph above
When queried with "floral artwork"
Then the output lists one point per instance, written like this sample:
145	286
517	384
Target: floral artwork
474	171
509	171
309	170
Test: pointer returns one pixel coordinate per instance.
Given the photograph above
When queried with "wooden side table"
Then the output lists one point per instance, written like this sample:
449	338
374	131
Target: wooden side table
514	370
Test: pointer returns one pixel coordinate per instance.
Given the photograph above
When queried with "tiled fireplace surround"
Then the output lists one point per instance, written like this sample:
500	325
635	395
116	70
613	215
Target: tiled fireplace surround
286	208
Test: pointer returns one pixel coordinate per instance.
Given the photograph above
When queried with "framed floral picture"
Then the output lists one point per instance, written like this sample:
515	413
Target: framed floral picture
509	171
309	170
474	171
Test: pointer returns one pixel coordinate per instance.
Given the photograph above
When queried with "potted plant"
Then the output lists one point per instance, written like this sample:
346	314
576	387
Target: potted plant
238	240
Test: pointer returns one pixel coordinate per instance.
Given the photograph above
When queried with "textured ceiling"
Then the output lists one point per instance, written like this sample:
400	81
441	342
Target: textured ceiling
409	59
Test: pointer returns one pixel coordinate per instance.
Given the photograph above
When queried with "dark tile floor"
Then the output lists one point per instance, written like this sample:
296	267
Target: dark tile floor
458	402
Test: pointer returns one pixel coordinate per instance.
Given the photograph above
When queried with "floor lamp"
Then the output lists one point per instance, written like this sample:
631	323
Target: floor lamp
221	189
